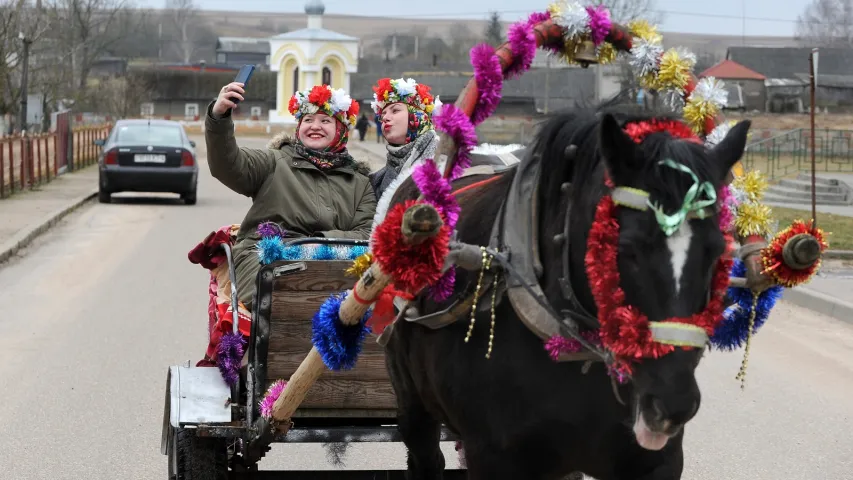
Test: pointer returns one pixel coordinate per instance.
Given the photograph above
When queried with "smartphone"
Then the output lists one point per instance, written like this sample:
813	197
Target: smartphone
243	77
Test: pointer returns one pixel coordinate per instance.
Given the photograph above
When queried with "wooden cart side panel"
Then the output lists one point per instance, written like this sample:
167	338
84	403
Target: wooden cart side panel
296	297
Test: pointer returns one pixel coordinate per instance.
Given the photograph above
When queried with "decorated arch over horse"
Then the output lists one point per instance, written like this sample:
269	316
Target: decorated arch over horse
413	251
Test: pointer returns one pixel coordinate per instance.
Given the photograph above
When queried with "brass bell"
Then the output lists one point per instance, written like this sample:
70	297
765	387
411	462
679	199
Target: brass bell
585	54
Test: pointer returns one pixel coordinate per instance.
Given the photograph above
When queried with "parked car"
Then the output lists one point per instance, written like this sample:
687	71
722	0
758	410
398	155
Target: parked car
147	156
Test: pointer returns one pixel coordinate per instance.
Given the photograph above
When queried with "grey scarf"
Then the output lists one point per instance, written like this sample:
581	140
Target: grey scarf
400	156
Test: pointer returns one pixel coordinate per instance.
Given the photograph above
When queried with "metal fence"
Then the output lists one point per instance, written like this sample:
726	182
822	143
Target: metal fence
788	153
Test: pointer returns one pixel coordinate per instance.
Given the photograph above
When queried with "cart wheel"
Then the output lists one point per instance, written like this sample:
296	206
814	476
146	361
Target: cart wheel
195	458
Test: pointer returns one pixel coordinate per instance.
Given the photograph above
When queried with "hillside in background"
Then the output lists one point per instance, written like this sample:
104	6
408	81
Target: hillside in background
373	30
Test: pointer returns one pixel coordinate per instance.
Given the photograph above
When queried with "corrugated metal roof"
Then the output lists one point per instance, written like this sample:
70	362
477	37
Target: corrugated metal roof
243	45
788	61
729	69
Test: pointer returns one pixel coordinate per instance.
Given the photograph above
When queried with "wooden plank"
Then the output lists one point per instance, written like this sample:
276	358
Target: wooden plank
349	394
296	298
345	413
320	276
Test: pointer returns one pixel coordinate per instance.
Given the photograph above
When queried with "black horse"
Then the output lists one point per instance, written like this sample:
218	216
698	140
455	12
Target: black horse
519	414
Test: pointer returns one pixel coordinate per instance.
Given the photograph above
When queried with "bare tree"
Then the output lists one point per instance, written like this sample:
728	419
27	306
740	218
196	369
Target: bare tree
122	96
184	21
827	23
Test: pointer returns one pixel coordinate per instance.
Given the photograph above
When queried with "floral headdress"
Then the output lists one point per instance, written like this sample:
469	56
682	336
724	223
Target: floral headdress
322	98
413	94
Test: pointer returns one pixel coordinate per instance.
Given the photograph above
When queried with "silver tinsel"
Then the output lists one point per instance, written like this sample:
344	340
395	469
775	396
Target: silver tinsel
645	57
717	135
686	54
572	17
712	90
674	99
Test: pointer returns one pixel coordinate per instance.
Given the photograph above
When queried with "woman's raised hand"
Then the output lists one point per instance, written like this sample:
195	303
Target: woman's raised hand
225	100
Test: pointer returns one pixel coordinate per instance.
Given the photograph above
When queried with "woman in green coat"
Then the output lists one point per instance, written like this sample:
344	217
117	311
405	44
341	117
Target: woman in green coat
309	185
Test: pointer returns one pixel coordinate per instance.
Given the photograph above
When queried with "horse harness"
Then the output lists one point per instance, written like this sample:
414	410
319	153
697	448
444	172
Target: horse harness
514	245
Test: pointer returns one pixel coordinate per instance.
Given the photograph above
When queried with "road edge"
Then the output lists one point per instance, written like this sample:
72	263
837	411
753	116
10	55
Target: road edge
819	302
26	236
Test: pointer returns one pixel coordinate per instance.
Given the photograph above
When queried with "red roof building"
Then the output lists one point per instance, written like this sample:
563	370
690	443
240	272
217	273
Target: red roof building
729	69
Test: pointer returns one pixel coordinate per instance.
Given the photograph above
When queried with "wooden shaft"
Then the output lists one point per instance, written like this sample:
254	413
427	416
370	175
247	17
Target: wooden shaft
297	387
420	222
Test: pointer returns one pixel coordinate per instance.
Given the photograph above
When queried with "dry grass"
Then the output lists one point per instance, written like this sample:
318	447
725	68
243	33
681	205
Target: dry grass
840	226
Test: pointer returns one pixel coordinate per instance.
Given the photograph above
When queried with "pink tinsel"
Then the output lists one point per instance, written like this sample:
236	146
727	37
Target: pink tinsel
443	288
726	200
487	73
458	126
437	191
270	397
558	344
522	42
599	23
537	18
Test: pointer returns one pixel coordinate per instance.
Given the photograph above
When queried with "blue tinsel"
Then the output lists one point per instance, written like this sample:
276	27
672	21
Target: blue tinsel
732	332
338	345
272	249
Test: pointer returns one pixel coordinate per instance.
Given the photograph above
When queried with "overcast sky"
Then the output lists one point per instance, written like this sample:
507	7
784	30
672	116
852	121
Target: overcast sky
763	17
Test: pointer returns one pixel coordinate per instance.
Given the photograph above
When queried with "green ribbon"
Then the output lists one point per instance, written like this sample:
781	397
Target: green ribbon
693	201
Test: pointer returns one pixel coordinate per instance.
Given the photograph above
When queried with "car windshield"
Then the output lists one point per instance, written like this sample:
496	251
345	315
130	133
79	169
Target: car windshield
155	135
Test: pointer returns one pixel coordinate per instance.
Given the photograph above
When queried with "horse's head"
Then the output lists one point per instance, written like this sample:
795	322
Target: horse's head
666	260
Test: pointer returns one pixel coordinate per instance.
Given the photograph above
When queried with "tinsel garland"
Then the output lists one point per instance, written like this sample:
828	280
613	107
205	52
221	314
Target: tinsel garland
412	267
487	74
456	124
360	265
273	249
772	258
229	356
272	394
752	217
733	332
338	345
625	330
557	345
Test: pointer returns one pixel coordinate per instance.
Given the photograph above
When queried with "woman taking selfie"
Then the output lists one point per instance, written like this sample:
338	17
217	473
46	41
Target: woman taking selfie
405	109
309	185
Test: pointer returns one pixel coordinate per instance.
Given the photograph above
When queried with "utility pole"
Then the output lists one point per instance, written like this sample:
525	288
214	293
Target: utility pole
24	74
813	58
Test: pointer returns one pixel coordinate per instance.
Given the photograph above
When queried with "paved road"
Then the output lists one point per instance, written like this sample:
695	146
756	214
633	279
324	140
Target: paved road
99	308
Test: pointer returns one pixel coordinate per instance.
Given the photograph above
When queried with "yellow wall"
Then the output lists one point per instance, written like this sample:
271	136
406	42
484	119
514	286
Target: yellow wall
286	89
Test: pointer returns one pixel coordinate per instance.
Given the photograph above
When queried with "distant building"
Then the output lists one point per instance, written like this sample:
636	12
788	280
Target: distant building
787	76
239	51
751	92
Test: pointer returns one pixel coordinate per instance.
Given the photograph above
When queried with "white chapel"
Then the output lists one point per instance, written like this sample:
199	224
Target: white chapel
310	56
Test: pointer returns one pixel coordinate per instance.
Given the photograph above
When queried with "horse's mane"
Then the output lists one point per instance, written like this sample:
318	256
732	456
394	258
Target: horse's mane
580	127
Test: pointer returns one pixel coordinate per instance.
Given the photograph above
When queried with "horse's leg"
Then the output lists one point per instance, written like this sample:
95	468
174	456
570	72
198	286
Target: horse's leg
488	464
420	431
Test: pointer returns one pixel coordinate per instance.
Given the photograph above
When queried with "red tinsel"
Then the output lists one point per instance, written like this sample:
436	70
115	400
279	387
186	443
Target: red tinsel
639	130
412	267
771	256
624	329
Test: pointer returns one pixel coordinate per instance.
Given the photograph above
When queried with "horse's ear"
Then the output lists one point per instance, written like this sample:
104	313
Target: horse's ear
730	149
617	148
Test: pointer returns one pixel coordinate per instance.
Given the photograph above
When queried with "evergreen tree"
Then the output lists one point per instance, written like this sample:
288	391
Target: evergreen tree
494	30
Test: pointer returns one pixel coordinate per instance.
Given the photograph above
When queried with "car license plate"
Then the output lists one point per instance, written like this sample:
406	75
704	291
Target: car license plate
148	158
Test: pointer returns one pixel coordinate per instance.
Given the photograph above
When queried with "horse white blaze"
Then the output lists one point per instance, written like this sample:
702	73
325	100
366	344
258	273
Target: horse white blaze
679	244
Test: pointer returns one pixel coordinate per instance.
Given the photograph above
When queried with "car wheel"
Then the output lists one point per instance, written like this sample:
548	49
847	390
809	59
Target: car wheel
104	197
189	198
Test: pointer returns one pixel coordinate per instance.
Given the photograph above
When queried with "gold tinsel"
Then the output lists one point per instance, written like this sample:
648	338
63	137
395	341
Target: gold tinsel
606	53
752	219
697	111
646	31
752	184
650	82
360	265
674	72
570	48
